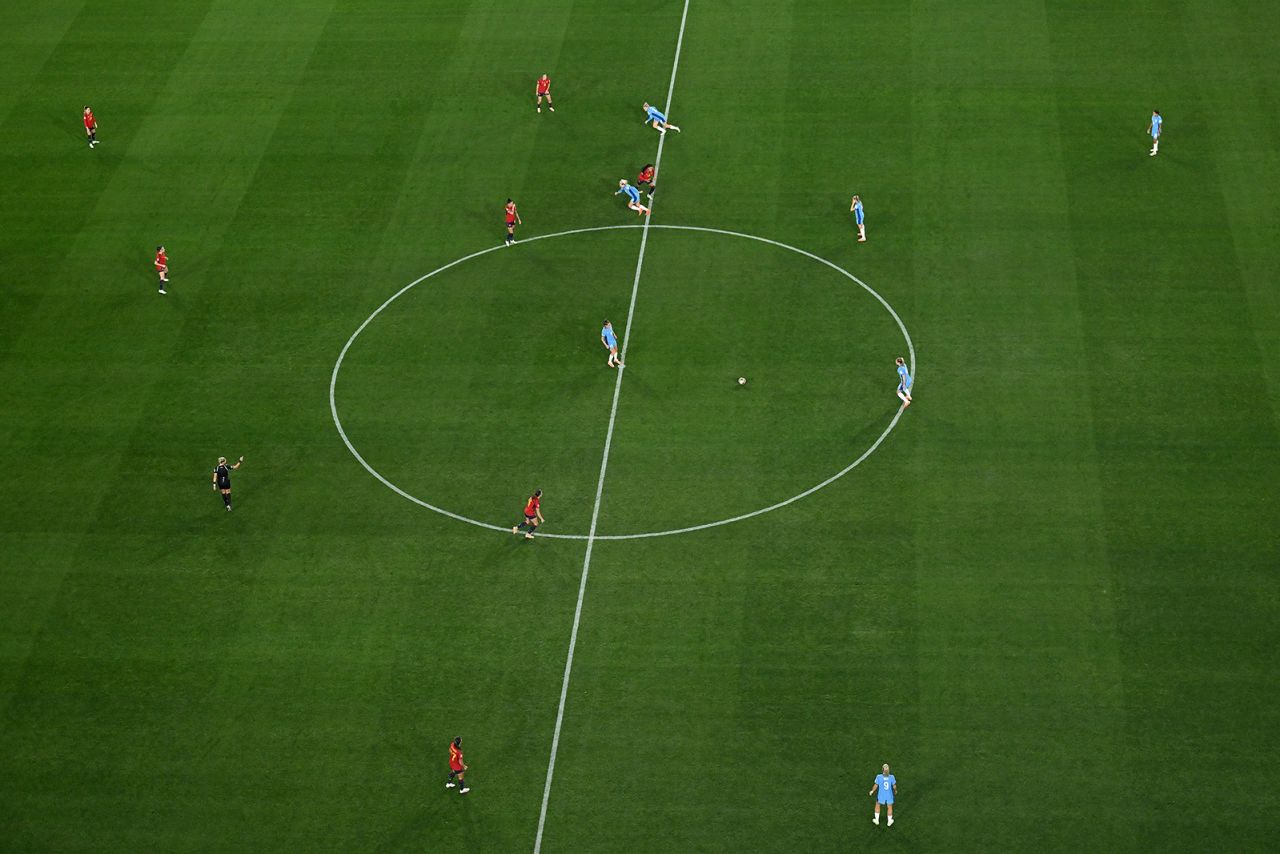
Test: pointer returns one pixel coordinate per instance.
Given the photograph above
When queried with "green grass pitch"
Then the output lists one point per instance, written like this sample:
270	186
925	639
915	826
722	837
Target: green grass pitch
1049	598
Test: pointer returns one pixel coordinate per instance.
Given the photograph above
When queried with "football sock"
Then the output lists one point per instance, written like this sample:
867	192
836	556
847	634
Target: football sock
226	498
521	526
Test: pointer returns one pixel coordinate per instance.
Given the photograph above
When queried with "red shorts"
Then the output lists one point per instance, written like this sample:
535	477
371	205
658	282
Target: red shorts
511	221
457	768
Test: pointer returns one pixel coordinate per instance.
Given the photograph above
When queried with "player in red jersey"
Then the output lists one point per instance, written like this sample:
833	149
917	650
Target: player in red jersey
543	90
162	267
90	126
645	178
532	515
513	217
456	767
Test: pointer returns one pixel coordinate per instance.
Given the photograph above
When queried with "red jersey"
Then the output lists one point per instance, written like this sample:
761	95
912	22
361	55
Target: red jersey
531	508
89	121
544	85
162	261
455	757
645	177
511	213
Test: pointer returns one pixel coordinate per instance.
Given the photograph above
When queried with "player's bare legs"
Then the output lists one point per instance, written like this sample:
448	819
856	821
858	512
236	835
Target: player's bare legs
890	806
862	232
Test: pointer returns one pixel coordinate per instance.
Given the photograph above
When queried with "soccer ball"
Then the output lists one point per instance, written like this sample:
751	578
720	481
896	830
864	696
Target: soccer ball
742	380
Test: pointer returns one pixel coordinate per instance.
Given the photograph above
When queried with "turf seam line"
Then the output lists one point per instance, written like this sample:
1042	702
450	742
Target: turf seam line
604	458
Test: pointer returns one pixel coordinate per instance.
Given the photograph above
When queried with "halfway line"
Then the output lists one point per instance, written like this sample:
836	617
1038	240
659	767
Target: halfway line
604	460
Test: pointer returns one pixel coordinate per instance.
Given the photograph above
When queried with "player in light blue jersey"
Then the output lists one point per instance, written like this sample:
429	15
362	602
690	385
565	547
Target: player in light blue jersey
633	197
904	383
1157	121
610	342
856	207
654	116
886	786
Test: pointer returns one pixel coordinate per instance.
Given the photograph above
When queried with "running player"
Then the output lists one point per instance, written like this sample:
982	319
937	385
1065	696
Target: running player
904	382
543	90
645	178
633	196
457	768
1154	129
90	126
162	267
222	479
856	207
513	217
885	787
654	116
532	515
610	342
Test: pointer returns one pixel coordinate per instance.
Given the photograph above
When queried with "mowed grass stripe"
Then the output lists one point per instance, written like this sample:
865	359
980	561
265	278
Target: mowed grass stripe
1006	325
1180	443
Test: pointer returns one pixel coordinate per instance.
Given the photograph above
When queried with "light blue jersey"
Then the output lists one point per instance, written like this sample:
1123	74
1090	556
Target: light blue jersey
884	787
904	378
632	192
857	211
655	115
1156	122
610	339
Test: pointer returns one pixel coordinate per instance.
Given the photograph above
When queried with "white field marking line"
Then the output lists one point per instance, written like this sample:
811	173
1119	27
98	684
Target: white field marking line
333	409
604	459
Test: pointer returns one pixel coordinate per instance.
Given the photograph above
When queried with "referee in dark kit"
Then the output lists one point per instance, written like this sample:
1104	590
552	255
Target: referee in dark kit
222	479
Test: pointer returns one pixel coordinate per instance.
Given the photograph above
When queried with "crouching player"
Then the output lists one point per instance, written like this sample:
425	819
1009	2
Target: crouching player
655	117
645	179
633	196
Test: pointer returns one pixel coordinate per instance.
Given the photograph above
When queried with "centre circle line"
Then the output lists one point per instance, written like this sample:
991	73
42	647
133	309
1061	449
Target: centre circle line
337	367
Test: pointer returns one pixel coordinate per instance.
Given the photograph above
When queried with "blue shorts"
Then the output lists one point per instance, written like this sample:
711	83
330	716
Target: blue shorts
858	216
658	118
905	389
1155	134
884	797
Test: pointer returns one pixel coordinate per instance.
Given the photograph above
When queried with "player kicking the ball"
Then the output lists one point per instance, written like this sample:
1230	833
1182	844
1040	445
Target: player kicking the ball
610	341
633	197
904	382
543	90
655	117
532	515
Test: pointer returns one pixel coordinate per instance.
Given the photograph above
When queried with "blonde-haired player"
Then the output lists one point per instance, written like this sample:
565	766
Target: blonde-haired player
633	197
884	788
